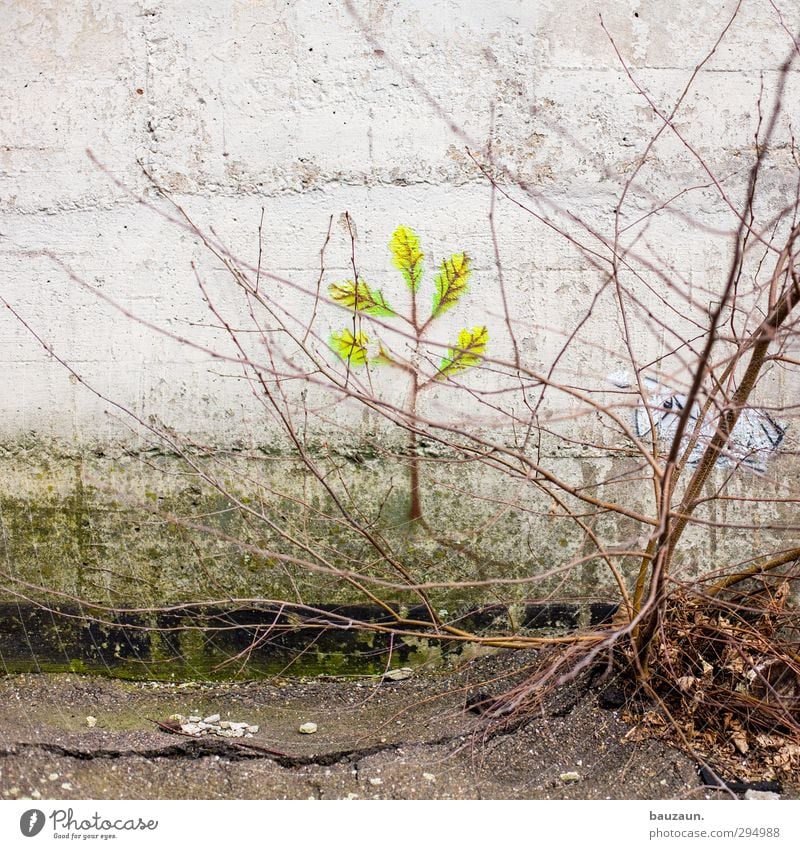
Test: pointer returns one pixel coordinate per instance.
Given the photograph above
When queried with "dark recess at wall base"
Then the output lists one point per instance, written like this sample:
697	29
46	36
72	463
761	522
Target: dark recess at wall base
216	643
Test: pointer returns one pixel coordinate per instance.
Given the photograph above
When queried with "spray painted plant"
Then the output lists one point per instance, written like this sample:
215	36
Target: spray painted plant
358	348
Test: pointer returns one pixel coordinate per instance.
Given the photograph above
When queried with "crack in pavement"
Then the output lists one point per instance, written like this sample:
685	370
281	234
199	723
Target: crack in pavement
492	727
209	748
205	747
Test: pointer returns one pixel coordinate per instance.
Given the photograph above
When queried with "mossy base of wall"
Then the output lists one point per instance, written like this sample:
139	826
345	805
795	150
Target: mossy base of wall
153	530
150	530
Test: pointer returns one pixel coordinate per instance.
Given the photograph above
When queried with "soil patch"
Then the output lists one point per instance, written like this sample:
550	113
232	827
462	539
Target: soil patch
405	739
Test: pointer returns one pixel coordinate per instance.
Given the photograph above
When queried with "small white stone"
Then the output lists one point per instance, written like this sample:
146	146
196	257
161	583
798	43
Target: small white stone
194	718
569	776
91	721
308	728
212	720
429	776
399	674
66	786
36	795
375	781
177	717
224	724
52	776
251	729
761	794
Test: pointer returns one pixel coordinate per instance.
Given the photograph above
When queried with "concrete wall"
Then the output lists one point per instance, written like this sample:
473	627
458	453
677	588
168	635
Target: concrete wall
291	107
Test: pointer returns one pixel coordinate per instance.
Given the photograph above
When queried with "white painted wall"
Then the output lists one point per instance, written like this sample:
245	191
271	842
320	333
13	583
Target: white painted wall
287	105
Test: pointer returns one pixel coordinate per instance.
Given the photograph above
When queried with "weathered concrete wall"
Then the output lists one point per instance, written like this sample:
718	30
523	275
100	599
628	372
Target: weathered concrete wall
290	107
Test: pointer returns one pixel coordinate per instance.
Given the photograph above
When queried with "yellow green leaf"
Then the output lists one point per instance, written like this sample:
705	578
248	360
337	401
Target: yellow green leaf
351	348
360	297
407	256
451	283
467	353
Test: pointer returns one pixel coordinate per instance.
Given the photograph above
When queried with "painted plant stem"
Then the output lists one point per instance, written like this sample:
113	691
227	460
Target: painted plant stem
358	348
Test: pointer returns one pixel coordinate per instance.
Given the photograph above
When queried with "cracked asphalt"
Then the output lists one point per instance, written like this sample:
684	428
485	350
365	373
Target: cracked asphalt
411	739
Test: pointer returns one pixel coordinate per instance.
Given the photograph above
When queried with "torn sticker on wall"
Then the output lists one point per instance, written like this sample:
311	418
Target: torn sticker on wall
755	436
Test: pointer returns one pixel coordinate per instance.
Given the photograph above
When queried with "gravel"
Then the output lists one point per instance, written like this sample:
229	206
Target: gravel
213	725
